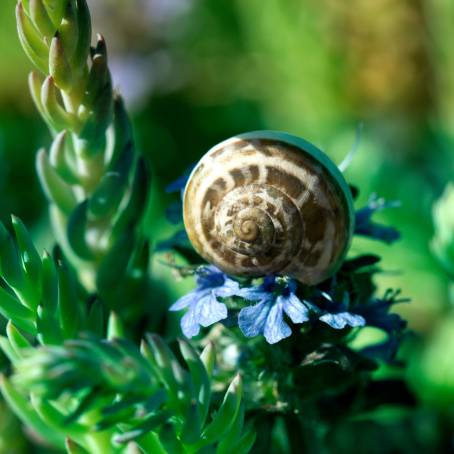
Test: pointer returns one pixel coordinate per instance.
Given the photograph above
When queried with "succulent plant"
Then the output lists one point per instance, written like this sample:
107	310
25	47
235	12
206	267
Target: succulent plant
96	183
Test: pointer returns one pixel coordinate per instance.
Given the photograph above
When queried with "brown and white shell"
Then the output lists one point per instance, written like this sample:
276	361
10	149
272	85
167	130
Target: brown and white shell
269	203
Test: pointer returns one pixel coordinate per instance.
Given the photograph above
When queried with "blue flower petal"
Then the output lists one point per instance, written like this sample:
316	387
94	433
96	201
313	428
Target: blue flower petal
187	300
189	324
252	319
255	294
294	308
230	288
342	319
275	327
208	310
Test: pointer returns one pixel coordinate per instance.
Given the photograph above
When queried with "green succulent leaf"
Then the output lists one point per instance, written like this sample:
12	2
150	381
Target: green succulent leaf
31	41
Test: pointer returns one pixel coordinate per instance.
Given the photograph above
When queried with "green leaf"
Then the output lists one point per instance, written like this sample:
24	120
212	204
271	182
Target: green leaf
192	425
150	444
84	41
68	303
69	30
26	413
126	403
223	420
48	322
49	329
56	419
246	442
233	436
124	163
13	310
149	424
56	189
107	197
17	340
49	285
122	130
113	266
35	84
199	376
140	262
99	119
31	42
58	158
59	67
137	203
95	320
55	9
169	440
98	79
208	358
76	232
73	448
11	266
31	260
83	406
8	350
54	110
115	328
40	18
168	369
121	416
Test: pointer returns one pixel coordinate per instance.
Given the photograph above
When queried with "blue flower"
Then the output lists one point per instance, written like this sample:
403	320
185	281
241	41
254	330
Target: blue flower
336	314
342	319
366	227
376	313
267	317
204	309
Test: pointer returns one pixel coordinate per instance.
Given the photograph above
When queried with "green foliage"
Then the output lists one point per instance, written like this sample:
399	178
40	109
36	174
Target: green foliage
112	388
95	182
68	382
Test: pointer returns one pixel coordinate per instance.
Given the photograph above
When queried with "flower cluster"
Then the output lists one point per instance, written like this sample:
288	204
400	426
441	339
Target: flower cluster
274	298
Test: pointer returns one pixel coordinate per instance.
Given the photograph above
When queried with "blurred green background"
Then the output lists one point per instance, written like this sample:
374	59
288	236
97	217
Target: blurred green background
195	72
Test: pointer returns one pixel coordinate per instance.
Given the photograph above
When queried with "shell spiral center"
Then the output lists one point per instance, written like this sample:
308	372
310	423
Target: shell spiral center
258	221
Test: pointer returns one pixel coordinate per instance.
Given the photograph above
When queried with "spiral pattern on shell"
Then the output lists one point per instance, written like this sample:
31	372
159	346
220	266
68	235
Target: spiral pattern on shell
269	203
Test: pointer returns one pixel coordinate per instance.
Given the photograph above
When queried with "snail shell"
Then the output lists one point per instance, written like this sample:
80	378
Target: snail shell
269	203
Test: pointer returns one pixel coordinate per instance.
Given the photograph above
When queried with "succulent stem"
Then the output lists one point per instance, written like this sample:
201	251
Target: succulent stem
96	183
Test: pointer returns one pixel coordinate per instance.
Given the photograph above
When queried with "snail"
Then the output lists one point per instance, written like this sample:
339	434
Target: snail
268	202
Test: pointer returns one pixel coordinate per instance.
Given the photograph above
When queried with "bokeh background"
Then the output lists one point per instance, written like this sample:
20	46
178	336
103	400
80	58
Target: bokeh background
195	72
